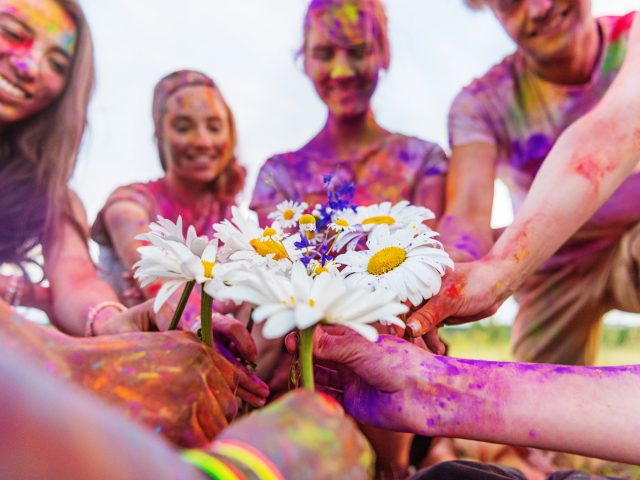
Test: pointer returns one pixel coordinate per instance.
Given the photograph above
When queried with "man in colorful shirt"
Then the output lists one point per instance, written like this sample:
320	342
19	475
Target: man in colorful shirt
503	125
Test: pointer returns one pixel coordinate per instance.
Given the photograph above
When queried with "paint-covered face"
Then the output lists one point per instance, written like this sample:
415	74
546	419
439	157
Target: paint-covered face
544	29
37	45
196	134
342	59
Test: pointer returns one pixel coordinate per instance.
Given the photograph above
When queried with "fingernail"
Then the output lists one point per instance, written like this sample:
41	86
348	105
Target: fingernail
413	326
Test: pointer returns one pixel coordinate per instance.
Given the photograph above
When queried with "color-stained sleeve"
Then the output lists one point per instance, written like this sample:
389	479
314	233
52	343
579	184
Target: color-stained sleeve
435	162
428	190
469	120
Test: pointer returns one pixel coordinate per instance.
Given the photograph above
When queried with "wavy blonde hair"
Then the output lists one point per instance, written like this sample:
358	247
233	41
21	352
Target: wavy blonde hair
38	156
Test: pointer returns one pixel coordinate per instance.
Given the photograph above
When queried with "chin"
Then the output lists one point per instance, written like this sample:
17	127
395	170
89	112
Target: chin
349	112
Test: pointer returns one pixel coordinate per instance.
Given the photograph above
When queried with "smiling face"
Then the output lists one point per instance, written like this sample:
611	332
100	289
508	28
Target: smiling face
545	29
196	134
37	45
342	59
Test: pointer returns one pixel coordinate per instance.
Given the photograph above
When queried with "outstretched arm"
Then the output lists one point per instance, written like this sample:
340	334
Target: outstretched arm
75	285
395	385
586	165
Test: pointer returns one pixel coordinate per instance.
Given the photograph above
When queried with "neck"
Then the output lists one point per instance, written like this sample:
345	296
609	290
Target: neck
576	64
343	136
188	193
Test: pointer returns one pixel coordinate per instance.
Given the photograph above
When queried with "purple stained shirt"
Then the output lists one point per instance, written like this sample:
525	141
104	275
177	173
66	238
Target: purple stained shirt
393	169
523	116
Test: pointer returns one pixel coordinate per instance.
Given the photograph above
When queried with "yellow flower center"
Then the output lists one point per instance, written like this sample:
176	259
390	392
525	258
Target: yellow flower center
288	214
307	219
269	232
320	269
342	222
386	260
312	302
208	268
381	220
269	246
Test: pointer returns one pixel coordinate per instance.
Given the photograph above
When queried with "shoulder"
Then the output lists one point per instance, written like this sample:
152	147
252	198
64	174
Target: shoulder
137	188
139	199
424	155
286	159
414	146
495	83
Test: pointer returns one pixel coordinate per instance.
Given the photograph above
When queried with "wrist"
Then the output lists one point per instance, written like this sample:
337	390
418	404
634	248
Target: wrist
233	460
501	276
99	314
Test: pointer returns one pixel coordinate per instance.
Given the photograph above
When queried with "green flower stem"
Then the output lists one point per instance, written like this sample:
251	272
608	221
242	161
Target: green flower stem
306	358
181	304
205	318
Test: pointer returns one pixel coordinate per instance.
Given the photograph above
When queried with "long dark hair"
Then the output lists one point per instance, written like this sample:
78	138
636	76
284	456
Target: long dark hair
38	155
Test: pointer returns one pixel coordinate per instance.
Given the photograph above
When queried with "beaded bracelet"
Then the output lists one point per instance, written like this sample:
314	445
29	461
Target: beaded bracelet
95	310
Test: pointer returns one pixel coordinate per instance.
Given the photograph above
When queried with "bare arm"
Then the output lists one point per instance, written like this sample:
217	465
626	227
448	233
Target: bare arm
125	220
573	409
75	285
584	168
465	228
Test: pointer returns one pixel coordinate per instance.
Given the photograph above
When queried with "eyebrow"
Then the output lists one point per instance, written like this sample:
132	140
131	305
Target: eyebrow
31	32
22	23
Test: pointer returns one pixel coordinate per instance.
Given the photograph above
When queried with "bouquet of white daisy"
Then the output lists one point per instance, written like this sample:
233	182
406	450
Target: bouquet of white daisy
335	263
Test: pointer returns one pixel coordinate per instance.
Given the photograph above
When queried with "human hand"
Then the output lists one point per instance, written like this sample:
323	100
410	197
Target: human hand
111	321
391	384
169	381
472	292
304	432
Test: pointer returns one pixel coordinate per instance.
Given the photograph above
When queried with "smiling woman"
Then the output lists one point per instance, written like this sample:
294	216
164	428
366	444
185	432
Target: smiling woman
196	138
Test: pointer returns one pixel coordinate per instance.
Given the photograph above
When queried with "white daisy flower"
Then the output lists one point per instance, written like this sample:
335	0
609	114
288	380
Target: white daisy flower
402	215
409	265
285	304
307	223
316	268
173	262
340	225
169	230
288	213
244	241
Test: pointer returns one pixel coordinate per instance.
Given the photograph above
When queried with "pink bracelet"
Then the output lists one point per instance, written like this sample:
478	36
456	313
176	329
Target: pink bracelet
95	310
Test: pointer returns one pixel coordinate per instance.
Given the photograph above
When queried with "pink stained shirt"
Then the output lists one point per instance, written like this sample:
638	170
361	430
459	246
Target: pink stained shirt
393	169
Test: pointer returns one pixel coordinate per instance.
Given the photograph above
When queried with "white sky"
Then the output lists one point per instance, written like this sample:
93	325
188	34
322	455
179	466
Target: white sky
248	47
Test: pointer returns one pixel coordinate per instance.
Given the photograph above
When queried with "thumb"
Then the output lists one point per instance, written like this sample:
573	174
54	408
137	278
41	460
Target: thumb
432	314
339	348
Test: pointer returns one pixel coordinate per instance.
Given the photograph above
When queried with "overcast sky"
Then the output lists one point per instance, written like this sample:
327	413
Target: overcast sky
248	47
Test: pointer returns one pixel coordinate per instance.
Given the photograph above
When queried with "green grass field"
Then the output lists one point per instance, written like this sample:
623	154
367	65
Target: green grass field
489	341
